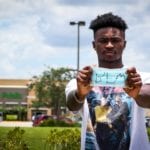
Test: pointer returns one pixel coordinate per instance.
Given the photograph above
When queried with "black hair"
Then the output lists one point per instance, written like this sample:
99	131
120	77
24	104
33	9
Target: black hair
108	20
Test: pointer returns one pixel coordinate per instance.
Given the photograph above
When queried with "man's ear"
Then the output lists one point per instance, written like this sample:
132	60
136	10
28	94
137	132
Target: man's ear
93	43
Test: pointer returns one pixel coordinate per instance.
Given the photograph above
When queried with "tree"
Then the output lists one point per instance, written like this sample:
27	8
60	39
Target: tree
50	87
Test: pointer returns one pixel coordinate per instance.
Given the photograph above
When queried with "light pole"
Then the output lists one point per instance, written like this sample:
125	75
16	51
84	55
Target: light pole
79	23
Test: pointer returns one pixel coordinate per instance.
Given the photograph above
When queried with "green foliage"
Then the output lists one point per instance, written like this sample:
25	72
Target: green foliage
58	123
37	104
14	140
50	87
17	113
66	139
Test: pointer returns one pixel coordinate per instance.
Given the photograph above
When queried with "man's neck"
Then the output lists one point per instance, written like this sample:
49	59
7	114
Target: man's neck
111	65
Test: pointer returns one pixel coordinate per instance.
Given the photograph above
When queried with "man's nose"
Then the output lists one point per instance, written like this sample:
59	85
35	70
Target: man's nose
109	44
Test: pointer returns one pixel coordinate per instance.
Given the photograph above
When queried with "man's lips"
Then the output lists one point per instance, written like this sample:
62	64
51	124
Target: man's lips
110	53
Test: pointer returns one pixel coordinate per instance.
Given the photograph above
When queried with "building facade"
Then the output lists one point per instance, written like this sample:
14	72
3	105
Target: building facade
16	100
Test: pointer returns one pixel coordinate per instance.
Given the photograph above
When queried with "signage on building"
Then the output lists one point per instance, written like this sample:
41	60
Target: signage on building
10	95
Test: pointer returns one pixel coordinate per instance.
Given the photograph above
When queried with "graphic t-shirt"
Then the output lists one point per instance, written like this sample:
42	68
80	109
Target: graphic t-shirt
117	122
110	113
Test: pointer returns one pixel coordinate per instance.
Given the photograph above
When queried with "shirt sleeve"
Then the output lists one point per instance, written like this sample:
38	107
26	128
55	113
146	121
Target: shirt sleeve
72	101
71	86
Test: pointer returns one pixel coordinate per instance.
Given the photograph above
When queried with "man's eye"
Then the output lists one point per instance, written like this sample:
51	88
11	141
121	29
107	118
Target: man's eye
112	40
103	40
116	40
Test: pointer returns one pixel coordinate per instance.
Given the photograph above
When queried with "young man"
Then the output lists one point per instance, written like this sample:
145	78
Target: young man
112	116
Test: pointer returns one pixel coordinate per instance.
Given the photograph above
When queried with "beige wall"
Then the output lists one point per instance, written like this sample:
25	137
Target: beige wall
21	82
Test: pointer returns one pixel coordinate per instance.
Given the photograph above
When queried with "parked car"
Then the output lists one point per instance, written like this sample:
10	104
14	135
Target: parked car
38	119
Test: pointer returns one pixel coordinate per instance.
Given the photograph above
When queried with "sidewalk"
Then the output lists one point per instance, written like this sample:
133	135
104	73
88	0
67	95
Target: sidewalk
16	124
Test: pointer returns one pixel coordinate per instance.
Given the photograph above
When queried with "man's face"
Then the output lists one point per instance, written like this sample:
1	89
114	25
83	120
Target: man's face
109	44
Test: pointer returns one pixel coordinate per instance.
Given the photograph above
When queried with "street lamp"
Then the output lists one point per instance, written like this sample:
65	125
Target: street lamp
79	23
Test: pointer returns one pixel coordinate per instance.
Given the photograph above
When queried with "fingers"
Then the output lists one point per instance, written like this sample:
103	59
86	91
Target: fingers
131	70
134	78
84	75
83	82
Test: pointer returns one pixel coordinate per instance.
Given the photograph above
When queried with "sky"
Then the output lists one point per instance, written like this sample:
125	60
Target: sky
35	34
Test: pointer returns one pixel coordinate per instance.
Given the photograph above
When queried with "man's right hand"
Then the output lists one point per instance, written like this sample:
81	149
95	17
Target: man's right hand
83	82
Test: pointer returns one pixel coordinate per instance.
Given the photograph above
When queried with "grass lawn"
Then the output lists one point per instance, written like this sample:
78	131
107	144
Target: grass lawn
34	136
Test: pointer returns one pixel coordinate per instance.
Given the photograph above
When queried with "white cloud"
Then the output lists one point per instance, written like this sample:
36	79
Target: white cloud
34	34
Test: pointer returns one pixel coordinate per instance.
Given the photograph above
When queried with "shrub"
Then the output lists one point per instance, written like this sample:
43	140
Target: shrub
65	139
58	123
13	140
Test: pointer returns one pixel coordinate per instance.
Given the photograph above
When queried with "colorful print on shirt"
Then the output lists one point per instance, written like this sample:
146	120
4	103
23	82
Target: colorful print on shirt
110	110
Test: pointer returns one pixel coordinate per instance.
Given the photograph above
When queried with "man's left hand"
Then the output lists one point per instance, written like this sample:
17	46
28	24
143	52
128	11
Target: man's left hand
134	83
